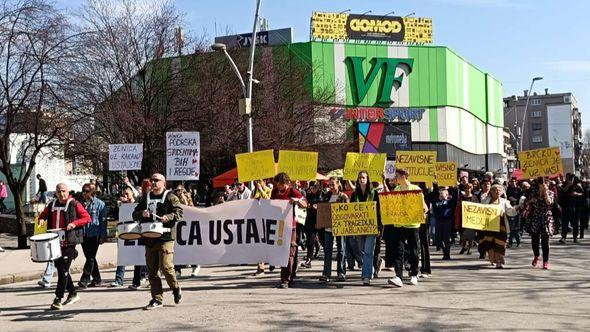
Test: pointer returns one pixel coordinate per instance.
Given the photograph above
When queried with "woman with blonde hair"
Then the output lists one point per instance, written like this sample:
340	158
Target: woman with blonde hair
494	243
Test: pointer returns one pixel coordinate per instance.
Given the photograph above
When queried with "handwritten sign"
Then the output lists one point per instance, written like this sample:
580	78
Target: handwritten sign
483	217
182	156
299	165
446	173
358	218
390	169
402	207
373	163
300	214
420	165
540	162
125	157
255	165
324	216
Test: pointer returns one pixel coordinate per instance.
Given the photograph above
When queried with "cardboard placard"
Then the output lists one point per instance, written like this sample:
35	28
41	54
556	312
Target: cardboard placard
299	165
324	216
446	173
483	217
373	163
359	218
402	207
183	156
255	165
540	162
125	157
420	164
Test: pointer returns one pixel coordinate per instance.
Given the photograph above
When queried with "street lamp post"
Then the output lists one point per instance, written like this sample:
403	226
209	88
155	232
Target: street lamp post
246	87
526	105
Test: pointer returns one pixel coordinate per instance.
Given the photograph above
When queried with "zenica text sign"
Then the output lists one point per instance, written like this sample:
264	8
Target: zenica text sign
361	82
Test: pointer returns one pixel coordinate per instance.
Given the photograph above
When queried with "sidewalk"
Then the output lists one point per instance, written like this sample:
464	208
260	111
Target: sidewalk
16	264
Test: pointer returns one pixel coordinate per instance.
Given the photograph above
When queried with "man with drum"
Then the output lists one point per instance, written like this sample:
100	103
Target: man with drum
160	206
67	217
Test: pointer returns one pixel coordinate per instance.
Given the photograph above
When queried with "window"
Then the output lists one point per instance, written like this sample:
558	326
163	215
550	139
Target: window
536	114
536	102
537	139
536	126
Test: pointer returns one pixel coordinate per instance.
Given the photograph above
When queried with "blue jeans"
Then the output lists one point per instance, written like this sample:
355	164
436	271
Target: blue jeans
367	246
139	272
42	197
340	248
48	274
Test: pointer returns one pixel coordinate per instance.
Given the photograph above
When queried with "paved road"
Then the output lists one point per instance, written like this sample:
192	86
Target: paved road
463	294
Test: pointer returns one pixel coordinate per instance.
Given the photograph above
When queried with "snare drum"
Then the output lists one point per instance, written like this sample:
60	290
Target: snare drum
153	230
45	247
129	230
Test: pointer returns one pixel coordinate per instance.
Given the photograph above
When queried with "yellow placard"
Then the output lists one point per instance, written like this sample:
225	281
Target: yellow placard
420	164
255	165
482	217
540	162
358	218
373	163
402	207
446	173
39	229
299	165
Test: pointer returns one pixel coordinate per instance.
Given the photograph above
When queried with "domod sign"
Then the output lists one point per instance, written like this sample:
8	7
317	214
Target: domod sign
361	83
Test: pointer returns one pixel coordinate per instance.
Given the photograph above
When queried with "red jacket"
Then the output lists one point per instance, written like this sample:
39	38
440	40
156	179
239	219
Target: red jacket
82	216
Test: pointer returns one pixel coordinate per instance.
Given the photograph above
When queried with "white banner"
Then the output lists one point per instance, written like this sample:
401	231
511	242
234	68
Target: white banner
125	157
236	232
182	156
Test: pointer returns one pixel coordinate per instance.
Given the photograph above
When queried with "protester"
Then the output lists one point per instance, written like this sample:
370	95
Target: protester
539	220
3	196
261	190
241	192
405	233
334	195
513	194
163	206
312	244
494	243
364	193
67	216
42	189
95	234
284	191
467	235
444	211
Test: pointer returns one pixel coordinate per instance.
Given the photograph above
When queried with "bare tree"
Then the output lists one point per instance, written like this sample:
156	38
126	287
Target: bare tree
37	50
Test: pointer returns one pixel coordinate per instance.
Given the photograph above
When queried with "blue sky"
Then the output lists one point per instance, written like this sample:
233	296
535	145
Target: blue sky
514	40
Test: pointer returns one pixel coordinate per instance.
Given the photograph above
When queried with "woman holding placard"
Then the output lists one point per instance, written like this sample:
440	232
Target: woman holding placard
539	220
364	193
335	195
494	243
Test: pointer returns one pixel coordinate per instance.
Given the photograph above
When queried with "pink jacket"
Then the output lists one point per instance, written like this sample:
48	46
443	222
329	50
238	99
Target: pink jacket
3	191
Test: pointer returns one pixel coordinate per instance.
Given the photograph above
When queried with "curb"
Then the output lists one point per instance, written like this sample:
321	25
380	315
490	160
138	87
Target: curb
13	278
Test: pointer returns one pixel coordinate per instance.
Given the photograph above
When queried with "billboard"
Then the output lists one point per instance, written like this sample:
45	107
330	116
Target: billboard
560	129
340	26
263	38
378	137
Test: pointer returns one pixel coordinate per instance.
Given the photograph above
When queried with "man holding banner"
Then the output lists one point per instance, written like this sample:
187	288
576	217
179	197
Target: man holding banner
160	205
407	233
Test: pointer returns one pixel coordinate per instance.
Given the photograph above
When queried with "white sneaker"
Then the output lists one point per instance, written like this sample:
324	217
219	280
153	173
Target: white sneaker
424	275
396	282
196	270
1	249
414	280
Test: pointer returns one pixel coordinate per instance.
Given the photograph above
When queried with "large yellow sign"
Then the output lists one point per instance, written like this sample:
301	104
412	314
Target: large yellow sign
446	174
354	218
420	164
341	26
299	165
255	165
373	163
482	217
540	162
402	207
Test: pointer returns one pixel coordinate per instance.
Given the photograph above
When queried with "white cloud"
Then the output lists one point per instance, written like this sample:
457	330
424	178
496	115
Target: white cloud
578	66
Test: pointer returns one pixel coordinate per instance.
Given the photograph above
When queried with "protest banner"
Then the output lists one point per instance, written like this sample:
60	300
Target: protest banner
373	163
402	207
299	165
420	165
300	214
446	173
129	252
255	165
125	157
482	217
236	232
182	156
390	169
324	216
358	218
540	162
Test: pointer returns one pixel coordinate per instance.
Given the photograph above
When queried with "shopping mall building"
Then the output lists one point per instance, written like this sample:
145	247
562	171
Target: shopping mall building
387	98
